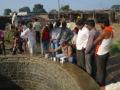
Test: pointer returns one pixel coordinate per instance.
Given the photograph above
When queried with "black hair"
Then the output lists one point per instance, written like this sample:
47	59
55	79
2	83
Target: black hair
23	22
57	23
36	19
91	23
30	25
81	22
105	21
50	26
46	28
64	24
16	34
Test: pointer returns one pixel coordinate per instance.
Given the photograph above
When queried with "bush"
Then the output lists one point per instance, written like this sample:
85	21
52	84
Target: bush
115	48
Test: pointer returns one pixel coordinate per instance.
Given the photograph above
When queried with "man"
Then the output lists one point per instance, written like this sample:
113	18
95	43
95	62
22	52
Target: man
81	42
103	43
15	19
17	44
67	52
90	54
30	35
37	27
55	36
66	34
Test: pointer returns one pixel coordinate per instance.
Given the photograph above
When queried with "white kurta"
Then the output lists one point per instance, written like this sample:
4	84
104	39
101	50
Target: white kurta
30	35
82	38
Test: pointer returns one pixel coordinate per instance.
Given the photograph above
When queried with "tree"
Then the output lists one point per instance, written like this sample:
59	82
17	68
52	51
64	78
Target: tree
115	7
7	11
24	9
38	8
53	11
65	8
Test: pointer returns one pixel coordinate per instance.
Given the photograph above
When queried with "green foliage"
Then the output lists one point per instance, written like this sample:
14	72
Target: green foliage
115	48
38	8
115	7
65	8
8	36
7	11
53	11
24	9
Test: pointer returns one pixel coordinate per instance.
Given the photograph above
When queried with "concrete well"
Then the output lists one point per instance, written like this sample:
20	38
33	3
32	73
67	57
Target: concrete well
35	73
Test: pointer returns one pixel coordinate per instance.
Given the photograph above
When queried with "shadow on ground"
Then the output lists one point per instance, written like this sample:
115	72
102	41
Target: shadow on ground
7	84
113	70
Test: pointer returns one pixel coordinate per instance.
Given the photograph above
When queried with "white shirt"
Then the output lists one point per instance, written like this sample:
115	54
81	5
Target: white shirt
82	38
104	48
55	35
24	27
24	34
29	35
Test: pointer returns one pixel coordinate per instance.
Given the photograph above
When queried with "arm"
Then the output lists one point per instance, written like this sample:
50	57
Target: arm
69	35
24	33
89	44
69	51
100	38
41	33
55	50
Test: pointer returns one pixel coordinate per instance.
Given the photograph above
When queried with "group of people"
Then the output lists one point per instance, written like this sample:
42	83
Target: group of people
93	48
84	46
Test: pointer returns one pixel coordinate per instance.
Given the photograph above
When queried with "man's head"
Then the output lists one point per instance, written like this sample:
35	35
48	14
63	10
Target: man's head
90	24
80	23
75	30
63	43
30	26
58	23
103	22
36	19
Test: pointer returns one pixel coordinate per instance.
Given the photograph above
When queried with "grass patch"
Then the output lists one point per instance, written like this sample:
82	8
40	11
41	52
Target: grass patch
115	48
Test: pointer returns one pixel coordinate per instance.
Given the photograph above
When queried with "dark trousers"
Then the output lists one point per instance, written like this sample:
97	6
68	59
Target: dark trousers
37	36
101	62
81	59
17	47
2	48
90	64
45	46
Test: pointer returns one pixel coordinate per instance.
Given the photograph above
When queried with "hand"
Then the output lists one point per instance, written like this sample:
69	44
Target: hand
51	50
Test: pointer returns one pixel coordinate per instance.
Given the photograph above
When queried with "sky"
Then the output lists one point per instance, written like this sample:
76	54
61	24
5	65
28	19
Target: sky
53	4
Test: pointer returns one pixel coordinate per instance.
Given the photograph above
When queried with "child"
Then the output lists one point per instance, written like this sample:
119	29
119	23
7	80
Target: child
17	43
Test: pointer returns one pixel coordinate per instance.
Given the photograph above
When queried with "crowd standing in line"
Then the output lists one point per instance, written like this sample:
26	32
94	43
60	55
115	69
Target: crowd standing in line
84	46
